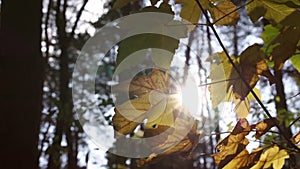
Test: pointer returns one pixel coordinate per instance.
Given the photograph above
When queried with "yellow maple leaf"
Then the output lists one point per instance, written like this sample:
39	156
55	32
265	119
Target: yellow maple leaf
272	156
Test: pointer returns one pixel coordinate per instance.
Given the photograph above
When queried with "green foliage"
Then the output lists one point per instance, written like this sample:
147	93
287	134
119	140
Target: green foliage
296	61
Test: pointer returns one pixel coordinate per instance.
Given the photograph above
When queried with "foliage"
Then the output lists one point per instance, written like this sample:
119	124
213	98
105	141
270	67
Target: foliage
281	43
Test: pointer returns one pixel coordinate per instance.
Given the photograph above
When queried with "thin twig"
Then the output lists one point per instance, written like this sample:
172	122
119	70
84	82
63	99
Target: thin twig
297	119
216	82
78	17
293	96
47	41
242	77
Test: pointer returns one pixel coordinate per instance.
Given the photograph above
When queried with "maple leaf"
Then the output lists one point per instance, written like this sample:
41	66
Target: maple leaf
190	11
168	40
251	64
233	144
154	99
183	148
158	102
233	155
272	156
220	9
242	107
244	159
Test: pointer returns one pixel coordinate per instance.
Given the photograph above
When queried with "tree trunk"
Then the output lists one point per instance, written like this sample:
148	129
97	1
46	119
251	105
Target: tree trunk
21	72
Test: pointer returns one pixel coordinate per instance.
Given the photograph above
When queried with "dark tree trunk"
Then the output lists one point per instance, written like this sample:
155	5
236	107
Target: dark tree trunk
21	72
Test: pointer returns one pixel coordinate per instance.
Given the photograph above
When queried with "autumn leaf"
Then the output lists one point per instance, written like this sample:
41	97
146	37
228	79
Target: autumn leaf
276	11
190	11
183	148
272	156
219	76
251	64
233	155
264	126
220	9
154	100
233	144
242	107
157	100
296	138
244	159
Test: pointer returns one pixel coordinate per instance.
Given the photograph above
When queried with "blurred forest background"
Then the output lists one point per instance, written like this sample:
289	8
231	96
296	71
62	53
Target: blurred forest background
40	42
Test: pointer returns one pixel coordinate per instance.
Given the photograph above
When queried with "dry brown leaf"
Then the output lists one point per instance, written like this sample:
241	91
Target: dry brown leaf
184	147
296	138
264	126
233	144
220	10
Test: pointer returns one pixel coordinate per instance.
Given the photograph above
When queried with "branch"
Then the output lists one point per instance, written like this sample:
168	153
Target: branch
78	17
294	122
46	31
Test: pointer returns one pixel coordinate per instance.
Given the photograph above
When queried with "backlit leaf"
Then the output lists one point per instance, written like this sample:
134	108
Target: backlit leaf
244	159
272	156
155	102
264	126
158	102
273	10
233	144
242	107
296	138
221	8
184	147
150	40
251	64
296	61
190	11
